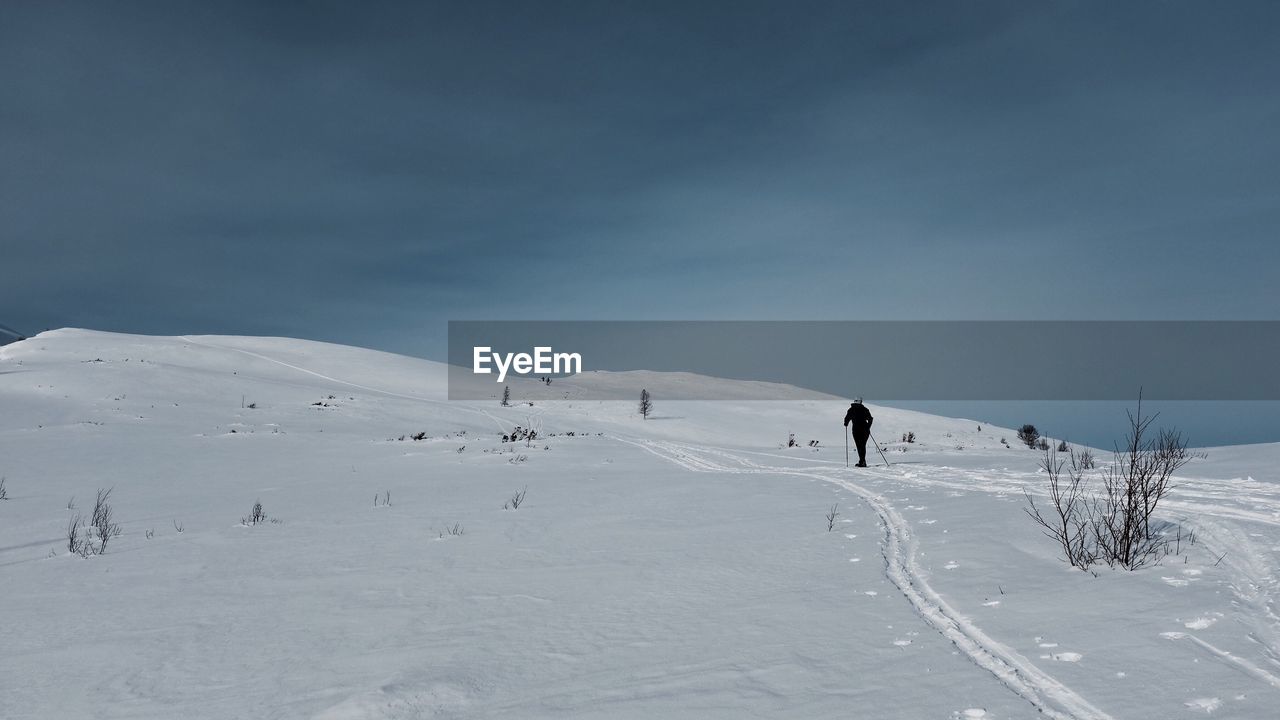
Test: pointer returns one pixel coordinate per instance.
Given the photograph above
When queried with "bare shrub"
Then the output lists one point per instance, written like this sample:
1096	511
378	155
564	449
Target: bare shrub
256	516
178	526
455	530
516	500
4	492
1086	459
831	516
1029	435
1133	486
1113	525
103	519
78	541
1068	520
1063	446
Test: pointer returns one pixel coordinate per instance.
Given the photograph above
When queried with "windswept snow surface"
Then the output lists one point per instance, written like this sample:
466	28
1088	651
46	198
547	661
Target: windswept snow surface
675	567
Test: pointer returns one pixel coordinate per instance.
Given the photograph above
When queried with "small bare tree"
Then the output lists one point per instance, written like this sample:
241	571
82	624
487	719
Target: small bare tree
506	396
4	492
646	404
832	514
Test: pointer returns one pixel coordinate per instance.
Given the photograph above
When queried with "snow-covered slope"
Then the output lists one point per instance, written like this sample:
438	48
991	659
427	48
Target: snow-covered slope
679	566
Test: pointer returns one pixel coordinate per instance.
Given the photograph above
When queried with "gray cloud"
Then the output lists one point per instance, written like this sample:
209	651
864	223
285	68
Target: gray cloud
364	172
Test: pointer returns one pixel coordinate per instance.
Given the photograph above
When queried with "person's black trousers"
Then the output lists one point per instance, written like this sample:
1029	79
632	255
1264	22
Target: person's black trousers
860	441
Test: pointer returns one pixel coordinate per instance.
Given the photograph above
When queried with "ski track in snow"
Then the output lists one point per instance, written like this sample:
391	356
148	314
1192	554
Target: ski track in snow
1244	665
1213	508
1017	673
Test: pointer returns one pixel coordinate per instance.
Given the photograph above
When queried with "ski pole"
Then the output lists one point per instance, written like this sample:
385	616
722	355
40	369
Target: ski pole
846	449
873	439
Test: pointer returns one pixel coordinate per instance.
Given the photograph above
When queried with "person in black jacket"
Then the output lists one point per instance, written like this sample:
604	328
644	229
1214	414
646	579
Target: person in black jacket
859	420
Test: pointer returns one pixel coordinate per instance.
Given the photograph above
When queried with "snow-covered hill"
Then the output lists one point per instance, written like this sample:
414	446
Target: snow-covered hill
680	565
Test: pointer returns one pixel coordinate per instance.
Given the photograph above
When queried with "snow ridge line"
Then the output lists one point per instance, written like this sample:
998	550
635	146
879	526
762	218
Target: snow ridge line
358	386
1041	690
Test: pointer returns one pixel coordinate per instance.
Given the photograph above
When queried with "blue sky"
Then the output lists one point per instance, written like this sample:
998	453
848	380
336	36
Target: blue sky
363	173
